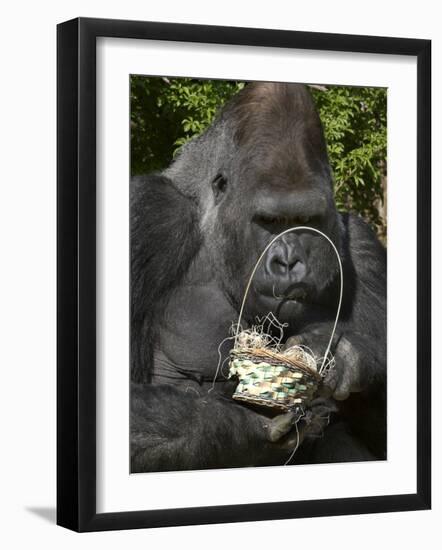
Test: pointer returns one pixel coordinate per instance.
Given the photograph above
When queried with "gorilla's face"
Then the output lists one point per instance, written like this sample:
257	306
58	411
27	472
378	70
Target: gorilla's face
275	176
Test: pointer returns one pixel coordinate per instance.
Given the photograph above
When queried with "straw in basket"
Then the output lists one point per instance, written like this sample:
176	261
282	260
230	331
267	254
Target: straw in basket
268	377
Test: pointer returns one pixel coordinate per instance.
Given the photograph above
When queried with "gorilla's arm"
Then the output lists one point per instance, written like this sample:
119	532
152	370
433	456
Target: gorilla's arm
165	237
172	429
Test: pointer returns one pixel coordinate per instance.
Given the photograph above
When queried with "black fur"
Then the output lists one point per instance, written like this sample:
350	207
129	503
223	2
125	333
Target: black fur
196	232
164	239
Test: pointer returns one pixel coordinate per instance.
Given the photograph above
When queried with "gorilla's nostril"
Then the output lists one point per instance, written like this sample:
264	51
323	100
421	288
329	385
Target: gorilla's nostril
279	266
280	261
298	269
286	260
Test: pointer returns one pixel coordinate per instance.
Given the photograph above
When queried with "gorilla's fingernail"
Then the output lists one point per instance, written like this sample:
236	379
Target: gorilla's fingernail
280	426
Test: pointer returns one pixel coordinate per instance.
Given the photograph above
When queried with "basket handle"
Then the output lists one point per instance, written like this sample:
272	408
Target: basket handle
264	252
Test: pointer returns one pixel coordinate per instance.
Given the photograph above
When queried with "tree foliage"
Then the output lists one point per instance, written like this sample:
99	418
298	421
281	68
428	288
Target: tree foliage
355	126
165	113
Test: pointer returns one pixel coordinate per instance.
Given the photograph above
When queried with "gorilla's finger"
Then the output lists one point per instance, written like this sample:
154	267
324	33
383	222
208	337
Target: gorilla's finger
323	403
280	426
331	381
342	391
297	340
230	386
341	395
325	391
295	437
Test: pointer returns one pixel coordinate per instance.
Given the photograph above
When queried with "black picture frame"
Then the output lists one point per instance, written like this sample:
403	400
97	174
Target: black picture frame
76	273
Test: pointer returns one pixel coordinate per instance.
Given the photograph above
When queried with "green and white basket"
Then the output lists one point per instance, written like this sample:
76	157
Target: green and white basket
270	378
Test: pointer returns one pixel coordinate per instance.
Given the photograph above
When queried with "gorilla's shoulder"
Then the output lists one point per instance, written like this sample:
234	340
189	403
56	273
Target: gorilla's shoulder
360	235
165	237
365	252
164	224
156	195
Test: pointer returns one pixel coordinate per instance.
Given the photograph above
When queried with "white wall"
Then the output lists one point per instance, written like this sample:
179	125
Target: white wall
27	286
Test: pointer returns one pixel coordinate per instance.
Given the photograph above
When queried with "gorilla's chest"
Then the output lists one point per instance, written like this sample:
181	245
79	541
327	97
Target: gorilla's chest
197	320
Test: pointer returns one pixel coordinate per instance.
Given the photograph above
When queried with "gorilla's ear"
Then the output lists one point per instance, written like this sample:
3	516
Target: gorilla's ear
165	237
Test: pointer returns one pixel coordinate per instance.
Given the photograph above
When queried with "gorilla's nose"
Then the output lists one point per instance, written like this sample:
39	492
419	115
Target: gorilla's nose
293	269
284	261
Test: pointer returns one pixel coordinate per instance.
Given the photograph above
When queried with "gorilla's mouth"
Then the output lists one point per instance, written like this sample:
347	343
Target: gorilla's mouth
297	292
289	303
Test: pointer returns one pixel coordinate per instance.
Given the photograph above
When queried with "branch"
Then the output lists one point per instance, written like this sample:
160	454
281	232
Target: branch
318	87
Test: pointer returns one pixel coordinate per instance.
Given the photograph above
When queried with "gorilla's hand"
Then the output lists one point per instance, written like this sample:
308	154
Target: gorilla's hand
280	426
346	375
284	430
281	430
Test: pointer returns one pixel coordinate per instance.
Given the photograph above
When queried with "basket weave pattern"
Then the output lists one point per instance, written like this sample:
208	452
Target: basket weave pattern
287	380
270	379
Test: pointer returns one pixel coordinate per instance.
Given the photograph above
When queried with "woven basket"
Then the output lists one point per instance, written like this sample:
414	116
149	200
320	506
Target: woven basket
272	380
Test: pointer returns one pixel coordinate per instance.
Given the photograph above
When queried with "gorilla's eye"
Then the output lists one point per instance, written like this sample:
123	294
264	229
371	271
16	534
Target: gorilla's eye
219	185
279	223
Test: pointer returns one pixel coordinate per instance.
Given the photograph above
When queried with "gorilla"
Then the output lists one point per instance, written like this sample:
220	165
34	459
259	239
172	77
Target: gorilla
197	229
